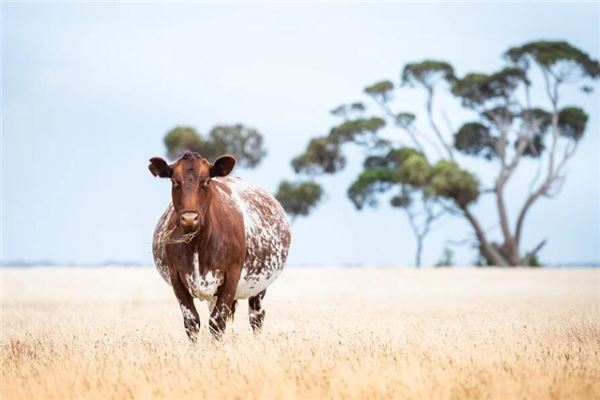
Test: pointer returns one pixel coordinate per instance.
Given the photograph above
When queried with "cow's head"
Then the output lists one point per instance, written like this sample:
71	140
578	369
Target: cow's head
191	190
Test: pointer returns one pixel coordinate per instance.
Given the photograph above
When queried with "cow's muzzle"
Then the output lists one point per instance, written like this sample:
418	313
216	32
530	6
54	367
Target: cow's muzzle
189	221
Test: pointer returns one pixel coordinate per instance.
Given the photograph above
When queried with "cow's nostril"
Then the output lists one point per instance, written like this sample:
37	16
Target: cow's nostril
189	218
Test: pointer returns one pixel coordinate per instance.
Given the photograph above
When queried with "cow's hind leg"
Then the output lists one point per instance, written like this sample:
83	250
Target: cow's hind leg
255	311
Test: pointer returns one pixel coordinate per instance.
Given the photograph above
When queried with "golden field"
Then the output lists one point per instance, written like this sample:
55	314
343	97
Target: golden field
329	333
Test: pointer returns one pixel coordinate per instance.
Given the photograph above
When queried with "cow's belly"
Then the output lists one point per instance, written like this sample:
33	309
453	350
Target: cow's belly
267	234
265	258
204	287
252	284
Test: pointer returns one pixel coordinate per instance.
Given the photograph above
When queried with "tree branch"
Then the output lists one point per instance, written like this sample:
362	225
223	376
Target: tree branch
392	116
427	222
538	172
551	175
438	133
530	254
503	176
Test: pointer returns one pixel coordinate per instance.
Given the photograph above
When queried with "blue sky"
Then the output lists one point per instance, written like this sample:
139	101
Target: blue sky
89	91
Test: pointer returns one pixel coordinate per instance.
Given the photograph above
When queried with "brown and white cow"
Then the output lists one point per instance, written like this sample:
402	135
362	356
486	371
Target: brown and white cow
221	239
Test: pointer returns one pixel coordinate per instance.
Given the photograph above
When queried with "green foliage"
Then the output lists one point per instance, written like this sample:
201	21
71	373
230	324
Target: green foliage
380	90
534	147
369	183
414	170
182	139
339	111
427	73
405	119
537	121
321	156
450	181
352	130
572	122
551	54
402	200
344	110
324	154
540	119
299	198
474	138
405	168
246	144
477	89
392	159
358	106
498	115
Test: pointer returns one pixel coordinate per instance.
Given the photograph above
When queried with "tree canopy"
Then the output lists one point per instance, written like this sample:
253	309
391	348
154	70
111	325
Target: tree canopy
427	73
557	56
299	198
245	144
477	89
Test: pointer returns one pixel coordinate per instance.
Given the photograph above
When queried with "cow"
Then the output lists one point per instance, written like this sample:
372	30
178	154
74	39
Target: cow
221	239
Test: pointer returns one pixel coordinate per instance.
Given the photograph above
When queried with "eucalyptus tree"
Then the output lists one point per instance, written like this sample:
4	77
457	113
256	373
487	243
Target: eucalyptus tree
423	163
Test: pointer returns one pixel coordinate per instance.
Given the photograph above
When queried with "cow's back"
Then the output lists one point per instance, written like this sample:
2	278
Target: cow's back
267	232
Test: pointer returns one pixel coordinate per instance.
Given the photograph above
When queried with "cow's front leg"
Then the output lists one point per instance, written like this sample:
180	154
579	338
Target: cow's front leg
224	307
191	319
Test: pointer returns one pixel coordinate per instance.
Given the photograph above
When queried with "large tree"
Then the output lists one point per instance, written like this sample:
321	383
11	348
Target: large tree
423	165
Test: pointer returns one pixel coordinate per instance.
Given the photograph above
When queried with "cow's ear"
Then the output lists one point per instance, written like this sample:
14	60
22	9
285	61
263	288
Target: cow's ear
222	166
159	167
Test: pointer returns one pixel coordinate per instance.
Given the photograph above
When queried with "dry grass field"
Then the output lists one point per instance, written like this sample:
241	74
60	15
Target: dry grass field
329	333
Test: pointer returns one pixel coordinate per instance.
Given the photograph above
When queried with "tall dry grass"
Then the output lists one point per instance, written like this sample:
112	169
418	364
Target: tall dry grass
329	333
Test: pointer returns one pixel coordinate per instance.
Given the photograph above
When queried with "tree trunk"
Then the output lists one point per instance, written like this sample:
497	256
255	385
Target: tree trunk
510	248
488	250
510	252
419	251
